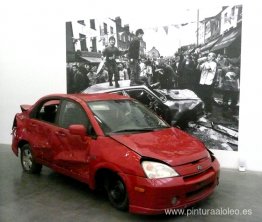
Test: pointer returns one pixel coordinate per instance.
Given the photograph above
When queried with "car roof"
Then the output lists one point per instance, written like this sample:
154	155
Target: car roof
89	97
104	87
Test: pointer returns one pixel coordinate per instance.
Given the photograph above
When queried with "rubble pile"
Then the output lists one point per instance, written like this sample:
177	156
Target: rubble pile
215	135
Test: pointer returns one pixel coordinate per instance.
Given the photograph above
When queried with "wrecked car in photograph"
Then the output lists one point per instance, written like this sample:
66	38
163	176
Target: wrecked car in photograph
176	106
114	142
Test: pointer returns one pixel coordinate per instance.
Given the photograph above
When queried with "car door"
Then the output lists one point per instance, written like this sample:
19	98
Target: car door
72	151
41	126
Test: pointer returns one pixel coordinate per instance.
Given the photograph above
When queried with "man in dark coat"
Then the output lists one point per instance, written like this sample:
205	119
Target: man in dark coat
80	80
133	55
166	75
187	76
110	53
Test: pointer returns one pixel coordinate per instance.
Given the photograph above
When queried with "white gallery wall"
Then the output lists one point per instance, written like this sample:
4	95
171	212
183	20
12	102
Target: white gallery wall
33	60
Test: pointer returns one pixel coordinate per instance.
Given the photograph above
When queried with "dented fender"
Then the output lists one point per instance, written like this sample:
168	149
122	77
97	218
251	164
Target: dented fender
17	133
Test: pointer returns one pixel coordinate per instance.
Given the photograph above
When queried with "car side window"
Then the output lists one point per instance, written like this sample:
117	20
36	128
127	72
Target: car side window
72	113
140	95
47	111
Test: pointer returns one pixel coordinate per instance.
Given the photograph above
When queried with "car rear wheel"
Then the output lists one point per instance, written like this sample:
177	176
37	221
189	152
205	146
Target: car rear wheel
117	193
27	161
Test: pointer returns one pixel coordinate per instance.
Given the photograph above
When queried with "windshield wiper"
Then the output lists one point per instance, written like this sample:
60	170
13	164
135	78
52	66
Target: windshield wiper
163	127
134	130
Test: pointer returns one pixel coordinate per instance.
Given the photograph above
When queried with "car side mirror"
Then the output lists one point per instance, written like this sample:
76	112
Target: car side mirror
77	129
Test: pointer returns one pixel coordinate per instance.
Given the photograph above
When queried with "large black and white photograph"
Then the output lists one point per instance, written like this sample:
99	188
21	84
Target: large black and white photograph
187	70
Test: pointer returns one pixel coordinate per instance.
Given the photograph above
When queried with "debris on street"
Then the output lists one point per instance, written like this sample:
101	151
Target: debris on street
216	131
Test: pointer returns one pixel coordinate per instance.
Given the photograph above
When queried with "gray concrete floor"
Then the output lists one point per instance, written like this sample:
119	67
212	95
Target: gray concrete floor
53	197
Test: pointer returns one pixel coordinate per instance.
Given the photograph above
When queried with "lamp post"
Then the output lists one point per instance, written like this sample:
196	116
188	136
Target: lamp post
197	26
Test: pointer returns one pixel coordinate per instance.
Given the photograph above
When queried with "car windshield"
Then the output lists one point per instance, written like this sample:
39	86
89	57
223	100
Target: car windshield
125	116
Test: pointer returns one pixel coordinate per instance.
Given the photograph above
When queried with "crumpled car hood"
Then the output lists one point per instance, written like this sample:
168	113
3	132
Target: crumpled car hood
171	145
179	94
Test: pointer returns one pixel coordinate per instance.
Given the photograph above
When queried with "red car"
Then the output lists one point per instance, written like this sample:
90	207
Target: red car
113	142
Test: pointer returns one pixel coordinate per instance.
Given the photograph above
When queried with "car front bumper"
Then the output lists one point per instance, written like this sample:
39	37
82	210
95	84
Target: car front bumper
156	196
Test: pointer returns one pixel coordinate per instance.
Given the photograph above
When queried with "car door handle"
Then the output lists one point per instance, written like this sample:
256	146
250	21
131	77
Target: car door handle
59	133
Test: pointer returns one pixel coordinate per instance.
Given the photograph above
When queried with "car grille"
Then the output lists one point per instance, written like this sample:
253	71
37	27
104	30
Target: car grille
194	168
199	174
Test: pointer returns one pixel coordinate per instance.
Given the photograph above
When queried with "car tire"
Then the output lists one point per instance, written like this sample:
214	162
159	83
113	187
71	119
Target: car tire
116	192
28	163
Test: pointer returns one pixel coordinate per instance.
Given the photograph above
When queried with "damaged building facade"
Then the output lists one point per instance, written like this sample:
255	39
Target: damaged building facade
92	35
222	33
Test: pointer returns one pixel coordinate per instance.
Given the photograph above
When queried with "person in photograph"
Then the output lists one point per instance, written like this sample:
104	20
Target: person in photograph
166	75
111	53
208	70
142	68
196	73
92	76
102	76
84	68
187	76
222	64
230	86
143	71
154	73
80	80
149	71
123	75
176	64
133	55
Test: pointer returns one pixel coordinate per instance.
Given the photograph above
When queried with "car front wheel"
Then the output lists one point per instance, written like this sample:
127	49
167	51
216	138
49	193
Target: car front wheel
116	192
27	161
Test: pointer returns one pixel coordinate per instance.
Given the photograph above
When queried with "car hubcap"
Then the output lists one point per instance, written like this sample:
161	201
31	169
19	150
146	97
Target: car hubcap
27	159
118	192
